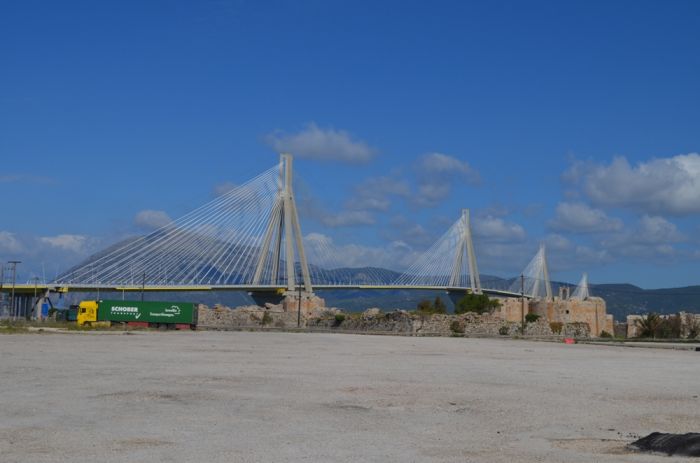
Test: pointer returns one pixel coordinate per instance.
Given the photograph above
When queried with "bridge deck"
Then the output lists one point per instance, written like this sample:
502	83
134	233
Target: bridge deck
26	288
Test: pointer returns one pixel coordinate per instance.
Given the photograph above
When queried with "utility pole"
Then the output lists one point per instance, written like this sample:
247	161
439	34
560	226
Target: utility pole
37	310
143	285
2	281
14	279
299	305
522	303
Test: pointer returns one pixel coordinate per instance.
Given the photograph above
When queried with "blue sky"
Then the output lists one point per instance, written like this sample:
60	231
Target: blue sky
569	123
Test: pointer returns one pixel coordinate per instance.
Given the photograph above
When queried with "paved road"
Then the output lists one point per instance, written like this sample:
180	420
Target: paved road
272	397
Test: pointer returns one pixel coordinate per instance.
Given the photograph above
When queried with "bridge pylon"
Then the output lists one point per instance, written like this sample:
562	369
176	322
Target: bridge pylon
465	246
582	292
535	277
284	227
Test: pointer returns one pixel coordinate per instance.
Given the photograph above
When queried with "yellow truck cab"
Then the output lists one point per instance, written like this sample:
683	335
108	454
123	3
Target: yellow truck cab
87	313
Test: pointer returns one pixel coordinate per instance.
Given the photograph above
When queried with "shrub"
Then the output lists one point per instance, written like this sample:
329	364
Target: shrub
556	327
428	307
669	328
457	327
439	306
339	318
478	303
694	330
648	325
504	330
605	334
266	319
425	307
531	318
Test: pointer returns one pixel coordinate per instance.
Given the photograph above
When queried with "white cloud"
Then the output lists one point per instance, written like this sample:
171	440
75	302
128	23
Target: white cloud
9	243
588	255
375	193
657	230
437	173
322	144
322	250
650	230
430	193
150	219
666	186
557	242
652	237
416	235
51	254
67	242
438	163
581	218
348	219
491	228
223	188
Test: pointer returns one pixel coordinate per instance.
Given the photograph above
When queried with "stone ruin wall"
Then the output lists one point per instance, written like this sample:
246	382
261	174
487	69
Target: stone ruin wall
689	322
591	311
511	309
504	321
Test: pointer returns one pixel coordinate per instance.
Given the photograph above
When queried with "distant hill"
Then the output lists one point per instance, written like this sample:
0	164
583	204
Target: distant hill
624	299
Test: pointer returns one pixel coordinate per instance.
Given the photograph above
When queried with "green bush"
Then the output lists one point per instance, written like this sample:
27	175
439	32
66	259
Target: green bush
439	306
457	327
339	318
428	307
531	318
605	334
649	325
266	319
669	328
503	331
478	303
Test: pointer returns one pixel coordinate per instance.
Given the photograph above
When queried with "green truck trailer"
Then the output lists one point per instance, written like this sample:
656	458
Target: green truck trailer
176	315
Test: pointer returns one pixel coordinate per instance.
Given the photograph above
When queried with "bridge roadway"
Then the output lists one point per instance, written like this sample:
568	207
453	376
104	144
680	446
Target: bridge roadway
31	288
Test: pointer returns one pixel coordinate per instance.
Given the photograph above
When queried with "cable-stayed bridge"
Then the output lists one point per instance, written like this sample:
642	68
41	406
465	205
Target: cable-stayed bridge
250	239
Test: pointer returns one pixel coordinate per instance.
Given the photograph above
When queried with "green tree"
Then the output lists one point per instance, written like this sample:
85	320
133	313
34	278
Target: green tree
425	306
439	306
478	303
431	307
649	325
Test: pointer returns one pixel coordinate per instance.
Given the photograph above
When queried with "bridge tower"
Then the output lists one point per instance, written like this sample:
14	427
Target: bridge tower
582	292
284	223
465	245
539	273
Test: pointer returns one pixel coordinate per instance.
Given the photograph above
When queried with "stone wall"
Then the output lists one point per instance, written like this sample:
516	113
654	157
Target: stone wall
633	330
591	311
414	324
690	324
253	316
376	321
511	309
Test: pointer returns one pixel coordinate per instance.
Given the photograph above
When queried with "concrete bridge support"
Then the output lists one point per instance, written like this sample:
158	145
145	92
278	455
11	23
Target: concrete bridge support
284	227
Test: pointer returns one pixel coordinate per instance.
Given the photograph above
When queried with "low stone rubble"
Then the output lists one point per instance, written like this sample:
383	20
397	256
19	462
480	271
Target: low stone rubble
374	320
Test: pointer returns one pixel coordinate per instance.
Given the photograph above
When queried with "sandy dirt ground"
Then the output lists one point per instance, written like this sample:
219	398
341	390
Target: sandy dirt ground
273	397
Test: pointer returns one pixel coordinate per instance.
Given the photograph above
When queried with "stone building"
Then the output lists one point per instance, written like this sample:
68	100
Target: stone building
564	309
512	309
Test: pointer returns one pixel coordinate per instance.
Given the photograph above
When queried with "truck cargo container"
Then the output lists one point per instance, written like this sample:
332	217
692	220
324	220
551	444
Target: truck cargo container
174	315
